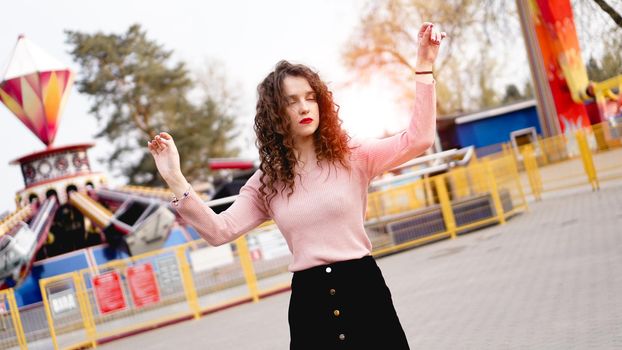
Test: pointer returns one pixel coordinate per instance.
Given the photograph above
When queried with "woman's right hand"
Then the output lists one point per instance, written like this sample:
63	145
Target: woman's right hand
166	156
430	39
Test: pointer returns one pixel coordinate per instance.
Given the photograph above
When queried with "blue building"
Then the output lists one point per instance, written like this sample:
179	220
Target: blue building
489	128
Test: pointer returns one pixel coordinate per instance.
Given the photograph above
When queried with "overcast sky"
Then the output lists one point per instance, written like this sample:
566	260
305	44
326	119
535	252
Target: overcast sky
249	37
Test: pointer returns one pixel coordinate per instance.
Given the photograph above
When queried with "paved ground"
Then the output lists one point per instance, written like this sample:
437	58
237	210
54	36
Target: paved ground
548	279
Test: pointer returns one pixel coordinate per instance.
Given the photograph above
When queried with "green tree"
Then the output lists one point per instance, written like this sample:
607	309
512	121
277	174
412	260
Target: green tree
610	65
136	90
512	94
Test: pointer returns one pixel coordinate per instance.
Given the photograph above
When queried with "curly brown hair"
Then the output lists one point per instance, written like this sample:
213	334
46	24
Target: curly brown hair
272	127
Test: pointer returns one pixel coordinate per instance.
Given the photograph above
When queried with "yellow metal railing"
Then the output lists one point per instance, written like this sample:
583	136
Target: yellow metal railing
533	173
11	330
195	289
448	215
584	157
247	267
445	205
588	161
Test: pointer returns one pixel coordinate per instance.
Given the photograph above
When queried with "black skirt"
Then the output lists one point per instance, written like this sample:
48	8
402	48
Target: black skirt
345	305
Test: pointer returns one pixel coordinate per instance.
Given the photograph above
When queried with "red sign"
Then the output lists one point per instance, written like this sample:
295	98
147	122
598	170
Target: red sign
143	285
108	292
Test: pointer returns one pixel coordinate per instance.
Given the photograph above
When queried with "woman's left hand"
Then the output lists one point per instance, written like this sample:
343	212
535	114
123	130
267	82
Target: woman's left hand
430	39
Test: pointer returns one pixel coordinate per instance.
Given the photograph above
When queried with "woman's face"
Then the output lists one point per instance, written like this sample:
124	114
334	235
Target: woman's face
302	108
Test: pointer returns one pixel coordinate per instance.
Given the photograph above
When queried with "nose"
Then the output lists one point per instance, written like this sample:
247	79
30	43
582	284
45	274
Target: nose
304	107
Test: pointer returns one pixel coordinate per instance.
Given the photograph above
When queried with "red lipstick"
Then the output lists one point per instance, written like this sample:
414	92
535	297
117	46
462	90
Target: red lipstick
306	121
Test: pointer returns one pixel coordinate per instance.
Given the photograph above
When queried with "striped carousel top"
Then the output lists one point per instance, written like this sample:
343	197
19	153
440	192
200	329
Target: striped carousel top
322	221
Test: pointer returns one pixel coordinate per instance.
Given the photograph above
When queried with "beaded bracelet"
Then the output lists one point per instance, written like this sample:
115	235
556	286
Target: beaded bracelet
175	200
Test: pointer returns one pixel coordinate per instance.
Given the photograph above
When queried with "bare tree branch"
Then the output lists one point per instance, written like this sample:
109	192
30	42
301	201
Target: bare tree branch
615	16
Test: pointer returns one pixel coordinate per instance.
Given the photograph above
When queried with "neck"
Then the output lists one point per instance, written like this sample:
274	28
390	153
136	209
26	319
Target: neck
305	150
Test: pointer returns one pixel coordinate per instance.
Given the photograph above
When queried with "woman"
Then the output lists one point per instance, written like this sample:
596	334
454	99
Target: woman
313	183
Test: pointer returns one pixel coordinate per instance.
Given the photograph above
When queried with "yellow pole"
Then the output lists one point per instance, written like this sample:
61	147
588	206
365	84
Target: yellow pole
533	174
478	177
188	282
588	161
373	209
599	133
48	314
514	170
17	322
411	191
85	308
494	193
429	196
461	182
448	214
247	267
542	145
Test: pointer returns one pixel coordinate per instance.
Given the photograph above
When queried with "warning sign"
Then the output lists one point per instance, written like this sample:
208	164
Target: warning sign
63	302
108	292
143	285
168	275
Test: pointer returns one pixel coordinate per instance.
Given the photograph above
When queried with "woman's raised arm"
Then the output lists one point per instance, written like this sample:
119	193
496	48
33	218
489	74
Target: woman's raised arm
385	154
246	213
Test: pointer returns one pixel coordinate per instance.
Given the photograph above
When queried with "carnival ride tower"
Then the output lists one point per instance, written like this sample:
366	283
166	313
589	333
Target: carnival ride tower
35	87
559	73
64	205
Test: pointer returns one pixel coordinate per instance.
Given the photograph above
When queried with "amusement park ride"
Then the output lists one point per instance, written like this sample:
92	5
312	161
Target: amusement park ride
68	218
562	85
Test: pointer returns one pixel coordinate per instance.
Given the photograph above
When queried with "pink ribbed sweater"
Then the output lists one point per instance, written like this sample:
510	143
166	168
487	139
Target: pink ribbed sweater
322	221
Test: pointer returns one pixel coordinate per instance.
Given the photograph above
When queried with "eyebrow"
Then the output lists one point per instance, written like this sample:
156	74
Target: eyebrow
307	93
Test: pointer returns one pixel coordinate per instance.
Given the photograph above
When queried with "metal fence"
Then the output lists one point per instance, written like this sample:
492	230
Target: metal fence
583	158
11	330
91	306
446	205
